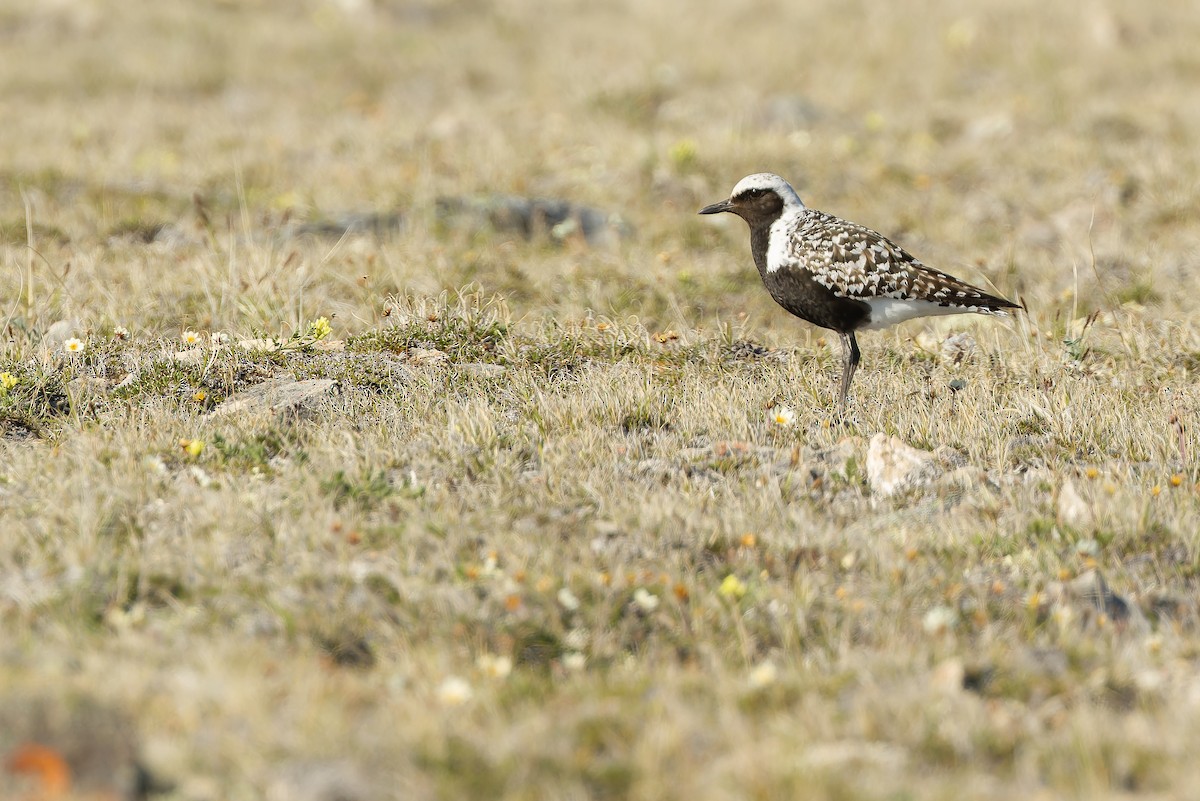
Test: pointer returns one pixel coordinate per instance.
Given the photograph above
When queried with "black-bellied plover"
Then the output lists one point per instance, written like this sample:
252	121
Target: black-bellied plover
838	274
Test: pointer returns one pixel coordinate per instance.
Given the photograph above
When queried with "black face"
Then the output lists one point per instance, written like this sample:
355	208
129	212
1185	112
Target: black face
757	206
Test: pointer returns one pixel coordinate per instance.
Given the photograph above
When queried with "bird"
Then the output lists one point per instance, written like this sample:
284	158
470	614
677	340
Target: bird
840	275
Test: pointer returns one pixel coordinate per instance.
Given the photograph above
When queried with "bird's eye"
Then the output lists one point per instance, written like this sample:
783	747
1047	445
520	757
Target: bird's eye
752	193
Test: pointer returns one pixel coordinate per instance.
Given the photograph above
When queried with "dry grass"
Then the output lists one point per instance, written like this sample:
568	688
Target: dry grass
297	592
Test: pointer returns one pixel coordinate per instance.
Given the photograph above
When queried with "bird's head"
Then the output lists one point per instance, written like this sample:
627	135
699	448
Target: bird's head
758	199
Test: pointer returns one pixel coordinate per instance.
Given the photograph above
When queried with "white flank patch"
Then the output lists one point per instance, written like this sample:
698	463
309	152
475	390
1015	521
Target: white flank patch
887	312
780	237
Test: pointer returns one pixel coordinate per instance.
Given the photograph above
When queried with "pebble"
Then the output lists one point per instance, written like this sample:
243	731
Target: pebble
278	396
894	467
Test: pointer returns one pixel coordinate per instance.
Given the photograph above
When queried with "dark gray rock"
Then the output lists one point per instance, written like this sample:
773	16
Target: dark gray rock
95	745
789	113
376	223
555	219
320	780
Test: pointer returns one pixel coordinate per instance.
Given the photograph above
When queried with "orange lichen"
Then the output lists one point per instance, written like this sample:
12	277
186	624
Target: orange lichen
45	764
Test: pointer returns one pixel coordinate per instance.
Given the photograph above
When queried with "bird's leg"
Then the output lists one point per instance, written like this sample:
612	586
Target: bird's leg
850	359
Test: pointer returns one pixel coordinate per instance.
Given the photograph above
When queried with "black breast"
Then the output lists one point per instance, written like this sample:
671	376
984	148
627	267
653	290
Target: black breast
795	290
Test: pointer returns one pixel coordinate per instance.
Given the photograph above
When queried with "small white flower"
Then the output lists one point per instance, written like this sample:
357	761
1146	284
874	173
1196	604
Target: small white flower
121	332
454	691
573	660
74	345
645	600
576	639
190	337
939	620
201	477
567	600
763	675
496	667
218	338
783	416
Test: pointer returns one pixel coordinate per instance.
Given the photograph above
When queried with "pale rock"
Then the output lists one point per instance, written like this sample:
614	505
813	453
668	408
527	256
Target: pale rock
833	461
1107	31
1072	509
279	396
319	780
948	676
86	387
59	332
894	467
427	356
989	127
958	348
948	458
482	369
843	755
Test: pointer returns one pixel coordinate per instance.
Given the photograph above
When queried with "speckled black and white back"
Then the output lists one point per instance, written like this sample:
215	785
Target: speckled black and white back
858	263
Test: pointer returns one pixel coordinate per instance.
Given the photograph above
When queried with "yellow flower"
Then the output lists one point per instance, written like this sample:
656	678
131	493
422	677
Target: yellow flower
73	345
190	337
763	675
454	691
496	667
192	447
200	396
732	587
783	415
319	328
8	381
683	154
